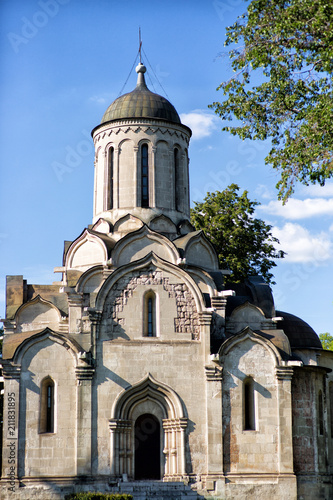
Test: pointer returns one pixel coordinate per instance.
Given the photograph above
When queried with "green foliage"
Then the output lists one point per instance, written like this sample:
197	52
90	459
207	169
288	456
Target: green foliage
327	341
97	496
288	45
244	244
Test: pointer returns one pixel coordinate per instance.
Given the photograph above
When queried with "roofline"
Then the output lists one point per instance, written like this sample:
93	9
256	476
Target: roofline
140	119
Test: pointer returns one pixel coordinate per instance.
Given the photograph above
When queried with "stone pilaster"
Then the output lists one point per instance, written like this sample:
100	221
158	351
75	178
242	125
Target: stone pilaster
121	448
214	419
84	375
95	320
219	303
152	180
137	169
74	311
174	448
10	457
205	319
105	179
285	438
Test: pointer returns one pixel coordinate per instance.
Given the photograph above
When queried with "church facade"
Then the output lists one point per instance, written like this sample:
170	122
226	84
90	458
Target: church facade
143	367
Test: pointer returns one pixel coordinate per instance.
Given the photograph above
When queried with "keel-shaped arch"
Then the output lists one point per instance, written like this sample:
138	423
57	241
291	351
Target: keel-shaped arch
148	396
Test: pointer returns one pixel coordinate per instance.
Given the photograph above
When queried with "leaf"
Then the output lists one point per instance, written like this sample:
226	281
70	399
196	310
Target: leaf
288	44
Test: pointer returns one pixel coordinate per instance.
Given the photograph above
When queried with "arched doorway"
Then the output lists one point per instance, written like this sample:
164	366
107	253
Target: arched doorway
132	437
147	447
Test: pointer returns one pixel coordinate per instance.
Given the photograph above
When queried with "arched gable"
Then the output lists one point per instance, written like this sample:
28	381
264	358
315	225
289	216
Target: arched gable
91	280
36	315
138	244
127	224
53	357
86	251
184	227
251	399
247	335
150	259
148	388
247	315
68	343
198	250
102	226
204	281
163	224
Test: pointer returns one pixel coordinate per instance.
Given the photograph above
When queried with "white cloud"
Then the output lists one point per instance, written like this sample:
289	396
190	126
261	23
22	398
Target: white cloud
321	191
99	99
200	122
299	209
301	245
263	191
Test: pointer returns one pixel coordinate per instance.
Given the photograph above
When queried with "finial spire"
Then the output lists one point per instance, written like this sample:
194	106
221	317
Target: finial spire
140	44
140	69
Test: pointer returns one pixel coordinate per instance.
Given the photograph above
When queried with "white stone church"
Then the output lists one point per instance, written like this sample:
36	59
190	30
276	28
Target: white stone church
142	371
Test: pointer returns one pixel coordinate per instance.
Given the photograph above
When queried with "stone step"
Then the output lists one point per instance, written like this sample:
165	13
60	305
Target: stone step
157	490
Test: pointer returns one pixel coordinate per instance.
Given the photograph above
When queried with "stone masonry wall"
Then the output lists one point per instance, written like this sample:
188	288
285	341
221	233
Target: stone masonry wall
249	450
186	319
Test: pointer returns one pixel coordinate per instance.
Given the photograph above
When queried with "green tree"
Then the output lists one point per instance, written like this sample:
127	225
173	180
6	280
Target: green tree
287	45
327	341
244	244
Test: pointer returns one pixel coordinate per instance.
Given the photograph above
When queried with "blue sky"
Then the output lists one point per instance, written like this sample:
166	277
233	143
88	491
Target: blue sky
63	62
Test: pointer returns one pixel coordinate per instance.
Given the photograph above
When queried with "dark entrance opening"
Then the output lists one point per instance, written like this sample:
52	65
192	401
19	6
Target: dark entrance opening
147	447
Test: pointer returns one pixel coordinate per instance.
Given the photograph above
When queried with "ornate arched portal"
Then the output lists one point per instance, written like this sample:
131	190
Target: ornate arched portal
129	424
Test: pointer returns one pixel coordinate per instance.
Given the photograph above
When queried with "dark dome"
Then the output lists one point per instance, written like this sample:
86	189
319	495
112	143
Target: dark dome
141	103
299	333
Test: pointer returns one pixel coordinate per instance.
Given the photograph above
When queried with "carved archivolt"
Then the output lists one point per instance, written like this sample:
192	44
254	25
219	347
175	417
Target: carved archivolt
157	398
187	320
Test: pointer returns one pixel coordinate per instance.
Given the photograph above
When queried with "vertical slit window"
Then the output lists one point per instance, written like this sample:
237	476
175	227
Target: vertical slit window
49	409
176	173
149	320
320	413
110	168
46	424
249	405
150	317
144	177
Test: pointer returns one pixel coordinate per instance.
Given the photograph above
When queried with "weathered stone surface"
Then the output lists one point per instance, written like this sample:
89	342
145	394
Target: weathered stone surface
140	373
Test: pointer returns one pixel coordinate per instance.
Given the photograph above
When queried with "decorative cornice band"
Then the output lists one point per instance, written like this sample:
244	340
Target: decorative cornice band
94	316
213	373
284	373
10	371
205	318
84	372
119	425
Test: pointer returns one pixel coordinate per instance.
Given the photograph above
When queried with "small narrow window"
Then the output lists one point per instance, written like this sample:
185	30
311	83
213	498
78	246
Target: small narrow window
149	322
110	177
248	404
49	408
150	317
46	423
331	406
144	177
176	174
320	413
